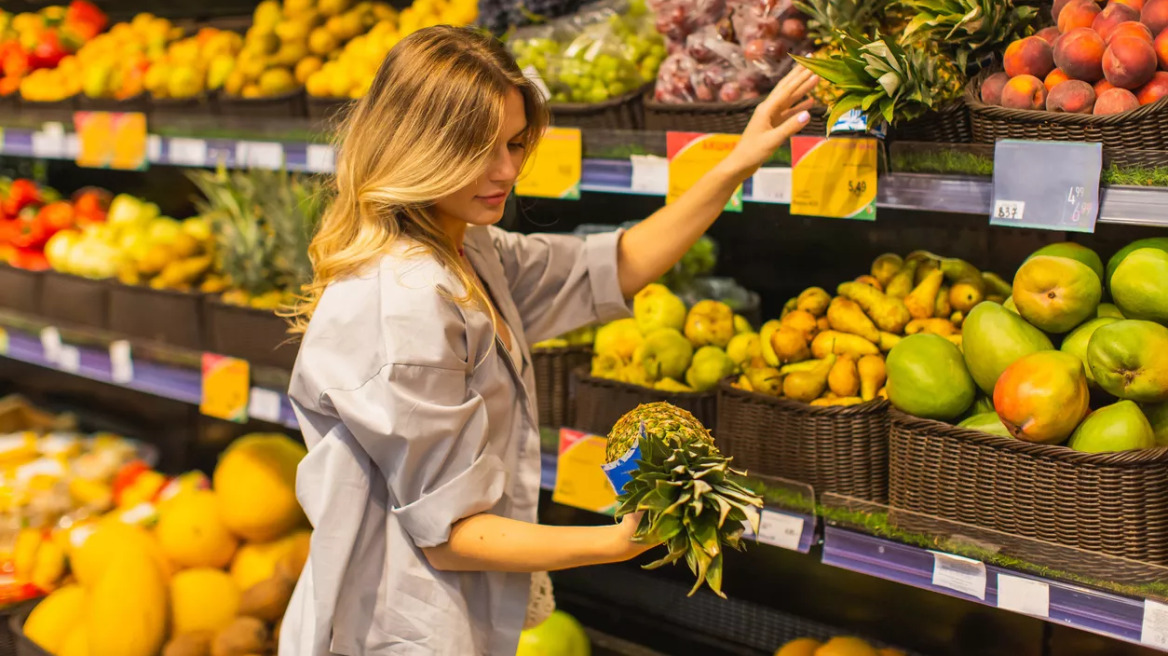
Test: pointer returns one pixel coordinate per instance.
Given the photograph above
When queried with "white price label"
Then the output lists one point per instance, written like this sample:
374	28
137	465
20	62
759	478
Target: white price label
1009	209
69	359
187	152
153	148
263	404
780	530
1023	595
1154	631
47	144
121	363
72	146
259	155
320	158
650	174
772	185
51	343
964	575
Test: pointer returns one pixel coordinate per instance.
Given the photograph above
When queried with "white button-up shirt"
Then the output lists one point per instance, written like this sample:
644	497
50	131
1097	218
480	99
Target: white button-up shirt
415	417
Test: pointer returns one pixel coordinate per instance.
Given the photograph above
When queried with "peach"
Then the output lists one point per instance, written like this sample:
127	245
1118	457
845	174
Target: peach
1155	89
1129	62
1101	86
1155	15
1072	97
1024	92
1029	56
1048	34
1131	28
1077	13
1160	45
1111	16
1134	4
991	88
1056	77
1080	54
1115	101
1057	9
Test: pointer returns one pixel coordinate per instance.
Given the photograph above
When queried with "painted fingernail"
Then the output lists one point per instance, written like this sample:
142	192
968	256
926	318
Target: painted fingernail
803	117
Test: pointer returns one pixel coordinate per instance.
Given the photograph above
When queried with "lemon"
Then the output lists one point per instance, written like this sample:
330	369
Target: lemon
52	618
292	30
306	67
333	7
294	8
202	599
92	556
321	41
255	482
267	13
192	533
276	81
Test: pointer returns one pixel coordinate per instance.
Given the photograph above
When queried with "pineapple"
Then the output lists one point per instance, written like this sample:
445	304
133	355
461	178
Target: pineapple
829	20
685	487
969	29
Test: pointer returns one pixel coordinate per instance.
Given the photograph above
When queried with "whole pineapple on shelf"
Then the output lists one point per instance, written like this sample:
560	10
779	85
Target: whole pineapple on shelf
969	29
829	20
691	501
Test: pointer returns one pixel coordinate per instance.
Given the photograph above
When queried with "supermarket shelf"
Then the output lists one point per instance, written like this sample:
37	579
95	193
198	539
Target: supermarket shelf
1099	612
95	363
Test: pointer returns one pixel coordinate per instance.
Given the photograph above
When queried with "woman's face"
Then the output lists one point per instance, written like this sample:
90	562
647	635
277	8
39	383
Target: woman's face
481	202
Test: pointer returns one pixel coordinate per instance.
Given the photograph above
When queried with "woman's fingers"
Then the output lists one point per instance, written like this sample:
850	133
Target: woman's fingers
785	130
787	89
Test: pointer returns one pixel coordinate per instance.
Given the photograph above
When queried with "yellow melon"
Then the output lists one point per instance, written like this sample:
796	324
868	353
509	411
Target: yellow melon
255	483
845	646
256	562
76	642
54	617
128	608
192	534
111	538
202	599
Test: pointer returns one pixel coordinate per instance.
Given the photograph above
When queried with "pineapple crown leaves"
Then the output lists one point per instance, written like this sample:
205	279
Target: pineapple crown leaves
691	503
968	28
885	79
828	20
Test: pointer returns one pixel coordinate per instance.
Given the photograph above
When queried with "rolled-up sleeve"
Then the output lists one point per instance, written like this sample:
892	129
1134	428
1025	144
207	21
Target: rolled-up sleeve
562	282
428	435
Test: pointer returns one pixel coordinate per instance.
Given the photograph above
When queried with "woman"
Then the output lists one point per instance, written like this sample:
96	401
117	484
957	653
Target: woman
414	387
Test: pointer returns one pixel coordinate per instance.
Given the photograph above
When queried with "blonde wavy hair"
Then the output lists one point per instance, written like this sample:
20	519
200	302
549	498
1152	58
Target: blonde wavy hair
426	128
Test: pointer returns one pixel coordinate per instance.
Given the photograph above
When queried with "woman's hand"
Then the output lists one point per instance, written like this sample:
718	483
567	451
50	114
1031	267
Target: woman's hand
782	114
626	548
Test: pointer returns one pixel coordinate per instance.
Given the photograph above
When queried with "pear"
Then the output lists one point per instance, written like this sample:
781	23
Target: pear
957	270
788	346
635	374
620	338
922	300
710	365
765	380
670	385
996	285
1157	415
802	322
743	348
936	326
813	300
1108	310
885	266
1120	426
887	341
837	401
845	315
832	341
902	283
655	307
873	374
665	353
764	342
942	307
844	379
710	323
888	313
607	365
871	281
925	268
742	325
791	305
1009	304
808	385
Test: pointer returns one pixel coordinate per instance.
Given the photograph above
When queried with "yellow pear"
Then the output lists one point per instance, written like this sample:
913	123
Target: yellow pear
902	283
846	316
872	375
922	300
813	300
885	266
788	345
833	341
808	385
888	313
844	379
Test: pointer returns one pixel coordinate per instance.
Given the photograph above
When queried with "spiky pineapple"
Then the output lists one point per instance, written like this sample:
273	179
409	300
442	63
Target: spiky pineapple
244	243
968	29
829	20
684	486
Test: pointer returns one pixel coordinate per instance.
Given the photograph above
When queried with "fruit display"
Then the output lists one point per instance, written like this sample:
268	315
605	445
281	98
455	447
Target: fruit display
837	646
115	64
1052	364
1098	60
606	52
31	215
726	51
559	635
839	351
183	565
679	481
36	49
193	66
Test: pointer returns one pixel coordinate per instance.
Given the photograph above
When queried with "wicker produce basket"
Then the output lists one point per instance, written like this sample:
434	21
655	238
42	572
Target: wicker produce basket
330	109
728	118
289	105
74	300
625	112
949	124
601	402
1111	503
136	103
258	336
199	106
553	382
1144	128
833	449
163	316
20	289
55	110
12	638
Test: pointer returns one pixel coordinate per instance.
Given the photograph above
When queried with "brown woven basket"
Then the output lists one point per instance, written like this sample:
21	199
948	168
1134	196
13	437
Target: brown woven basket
1143	128
1112	503
625	112
553	382
728	118
601	402
832	449
949	124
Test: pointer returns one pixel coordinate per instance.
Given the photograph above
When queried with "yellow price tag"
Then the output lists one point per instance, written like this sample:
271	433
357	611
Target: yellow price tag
834	178
692	155
226	386
114	140
554	169
580	482
3	342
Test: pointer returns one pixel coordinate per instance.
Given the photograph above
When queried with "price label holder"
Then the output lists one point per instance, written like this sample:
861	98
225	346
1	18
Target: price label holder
111	140
580	481
650	174
226	387
260	155
51	344
555	168
69	359
49	141
965	575
691	156
121	362
834	178
320	158
1023	595
1052	185
772	185
777	529
1154	629
264	404
181	151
